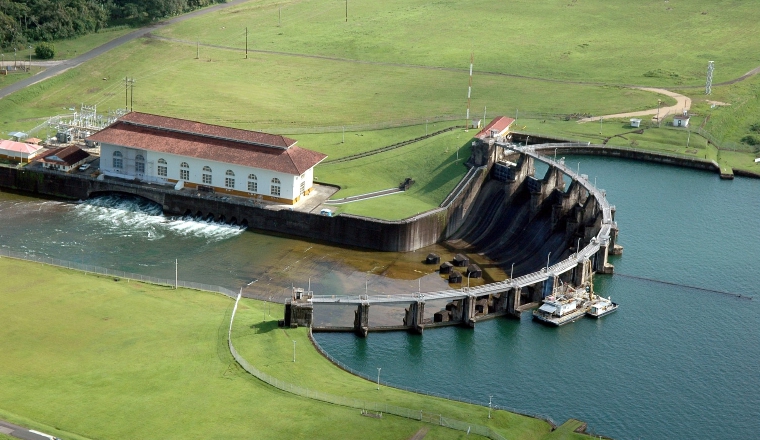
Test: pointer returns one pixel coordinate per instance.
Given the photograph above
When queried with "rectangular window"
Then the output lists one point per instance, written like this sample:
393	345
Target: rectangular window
253	186
117	163
184	174
162	171
207	179
140	167
275	190
229	182
303	187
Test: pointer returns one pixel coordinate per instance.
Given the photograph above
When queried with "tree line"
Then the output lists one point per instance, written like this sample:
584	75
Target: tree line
28	21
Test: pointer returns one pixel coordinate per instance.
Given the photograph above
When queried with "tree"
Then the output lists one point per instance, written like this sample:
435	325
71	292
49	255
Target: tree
44	51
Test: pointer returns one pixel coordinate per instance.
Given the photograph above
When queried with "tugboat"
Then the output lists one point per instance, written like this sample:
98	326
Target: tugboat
564	305
601	306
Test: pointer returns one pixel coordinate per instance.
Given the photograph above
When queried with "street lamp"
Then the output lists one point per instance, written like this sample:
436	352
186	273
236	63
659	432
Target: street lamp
512	272
659	101
294	351
489	406
378	378
547	261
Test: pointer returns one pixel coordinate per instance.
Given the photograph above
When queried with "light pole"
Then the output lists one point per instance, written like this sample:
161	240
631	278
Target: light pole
512	272
579	170
269	305
578	246
378	378
658	112
601	120
294	351
489	406
547	261
555	154
30	57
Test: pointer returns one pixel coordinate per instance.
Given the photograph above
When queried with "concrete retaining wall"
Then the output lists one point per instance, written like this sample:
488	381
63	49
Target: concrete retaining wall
397	236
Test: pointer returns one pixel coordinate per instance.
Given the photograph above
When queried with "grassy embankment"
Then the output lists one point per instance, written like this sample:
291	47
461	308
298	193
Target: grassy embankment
103	359
394	64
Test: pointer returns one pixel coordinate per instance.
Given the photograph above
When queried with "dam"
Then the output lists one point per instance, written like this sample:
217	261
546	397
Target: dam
580	214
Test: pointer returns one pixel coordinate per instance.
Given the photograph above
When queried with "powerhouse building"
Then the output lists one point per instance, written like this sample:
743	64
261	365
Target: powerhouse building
152	148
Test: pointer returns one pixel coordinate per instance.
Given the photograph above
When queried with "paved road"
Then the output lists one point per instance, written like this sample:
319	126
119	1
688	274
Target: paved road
19	432
74	62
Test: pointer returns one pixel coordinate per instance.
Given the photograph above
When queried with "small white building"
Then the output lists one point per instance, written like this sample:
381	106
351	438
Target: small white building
681	120
196	155
498	128
63	159
635	123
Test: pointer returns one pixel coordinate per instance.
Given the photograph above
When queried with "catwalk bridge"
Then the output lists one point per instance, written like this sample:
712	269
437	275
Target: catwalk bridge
468	305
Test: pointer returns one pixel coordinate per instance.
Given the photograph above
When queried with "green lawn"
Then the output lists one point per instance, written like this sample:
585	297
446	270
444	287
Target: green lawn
258	339
70	48
432	163
647	43
117	360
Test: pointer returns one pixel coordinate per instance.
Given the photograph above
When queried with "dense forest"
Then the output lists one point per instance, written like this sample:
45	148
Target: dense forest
23	21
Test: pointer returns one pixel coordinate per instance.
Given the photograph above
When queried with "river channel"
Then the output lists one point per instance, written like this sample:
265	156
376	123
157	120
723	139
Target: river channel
672	362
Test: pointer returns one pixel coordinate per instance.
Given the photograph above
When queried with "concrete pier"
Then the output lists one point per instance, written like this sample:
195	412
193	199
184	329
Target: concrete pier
415	316
361	320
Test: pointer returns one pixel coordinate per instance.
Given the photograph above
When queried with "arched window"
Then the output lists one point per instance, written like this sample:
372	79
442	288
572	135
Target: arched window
184	172
207	175
162	168
252	184
229	180
117	160
140	164
275	190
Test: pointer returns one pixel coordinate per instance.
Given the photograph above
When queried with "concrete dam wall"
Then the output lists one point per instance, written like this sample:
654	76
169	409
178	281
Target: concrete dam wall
398	236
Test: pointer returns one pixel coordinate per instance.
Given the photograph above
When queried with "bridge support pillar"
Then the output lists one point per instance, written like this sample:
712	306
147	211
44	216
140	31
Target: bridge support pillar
513	301
468	311
582	273
414	317
602	265
361	320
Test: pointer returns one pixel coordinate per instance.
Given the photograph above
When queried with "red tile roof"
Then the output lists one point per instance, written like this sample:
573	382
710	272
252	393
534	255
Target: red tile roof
499	124
207	130
17	147
210	142
69	155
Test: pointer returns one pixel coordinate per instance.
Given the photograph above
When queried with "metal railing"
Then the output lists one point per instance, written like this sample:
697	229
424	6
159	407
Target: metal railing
414	414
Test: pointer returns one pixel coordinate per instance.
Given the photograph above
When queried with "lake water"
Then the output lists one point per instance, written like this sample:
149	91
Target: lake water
672	362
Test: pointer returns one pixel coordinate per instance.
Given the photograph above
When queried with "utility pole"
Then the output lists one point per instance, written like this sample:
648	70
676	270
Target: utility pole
484	115
176	273
126	93
30	56
246	42
469	91
131	93
346	11
197	50
601	119
659	101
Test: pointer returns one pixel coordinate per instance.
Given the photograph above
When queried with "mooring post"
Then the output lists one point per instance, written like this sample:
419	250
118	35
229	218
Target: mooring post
361	320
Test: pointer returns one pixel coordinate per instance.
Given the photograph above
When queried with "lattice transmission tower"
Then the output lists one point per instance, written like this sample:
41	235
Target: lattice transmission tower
708	85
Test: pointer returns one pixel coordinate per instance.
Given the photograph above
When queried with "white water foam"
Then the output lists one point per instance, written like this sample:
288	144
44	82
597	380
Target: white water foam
132	216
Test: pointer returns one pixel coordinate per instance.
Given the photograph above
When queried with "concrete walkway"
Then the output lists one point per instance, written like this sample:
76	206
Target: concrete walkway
65	65
682	103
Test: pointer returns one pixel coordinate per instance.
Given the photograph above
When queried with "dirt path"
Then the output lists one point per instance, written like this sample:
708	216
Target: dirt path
682	103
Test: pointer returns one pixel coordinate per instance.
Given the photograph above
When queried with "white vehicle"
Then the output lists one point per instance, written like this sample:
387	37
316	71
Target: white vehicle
84	167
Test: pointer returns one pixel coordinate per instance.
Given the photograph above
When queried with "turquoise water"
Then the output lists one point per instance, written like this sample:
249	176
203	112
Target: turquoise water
673	362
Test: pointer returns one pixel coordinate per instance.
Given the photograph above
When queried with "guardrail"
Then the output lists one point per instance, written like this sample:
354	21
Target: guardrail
602	238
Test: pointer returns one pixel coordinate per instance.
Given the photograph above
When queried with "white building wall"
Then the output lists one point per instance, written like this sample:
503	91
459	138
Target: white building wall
289	184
